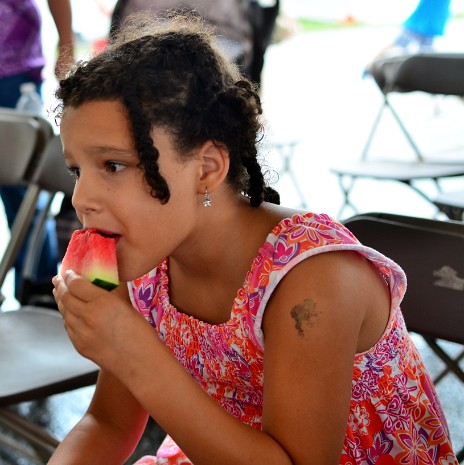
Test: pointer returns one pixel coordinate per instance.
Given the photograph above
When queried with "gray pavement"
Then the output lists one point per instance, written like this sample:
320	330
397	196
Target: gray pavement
314	94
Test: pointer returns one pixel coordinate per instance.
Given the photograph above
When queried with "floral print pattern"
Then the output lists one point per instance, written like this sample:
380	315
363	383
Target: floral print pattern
395	415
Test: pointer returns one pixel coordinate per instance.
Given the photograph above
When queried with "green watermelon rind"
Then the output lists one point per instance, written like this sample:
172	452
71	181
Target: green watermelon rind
109	286
102	278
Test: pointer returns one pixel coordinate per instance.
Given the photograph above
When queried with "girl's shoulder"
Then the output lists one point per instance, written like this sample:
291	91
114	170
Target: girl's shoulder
313	225
302	232
306	234
300	237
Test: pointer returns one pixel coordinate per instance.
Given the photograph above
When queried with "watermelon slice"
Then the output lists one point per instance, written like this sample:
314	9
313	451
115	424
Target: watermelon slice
93	256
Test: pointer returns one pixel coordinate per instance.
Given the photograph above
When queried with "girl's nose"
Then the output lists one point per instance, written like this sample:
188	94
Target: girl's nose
85	199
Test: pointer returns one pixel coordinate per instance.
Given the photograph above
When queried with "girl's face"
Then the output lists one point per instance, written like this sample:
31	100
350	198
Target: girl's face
111	193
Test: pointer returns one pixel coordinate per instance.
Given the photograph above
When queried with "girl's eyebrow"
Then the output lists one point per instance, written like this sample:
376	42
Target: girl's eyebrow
113	149
106	150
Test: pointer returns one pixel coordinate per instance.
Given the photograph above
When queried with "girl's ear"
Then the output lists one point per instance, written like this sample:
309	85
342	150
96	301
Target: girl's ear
215	161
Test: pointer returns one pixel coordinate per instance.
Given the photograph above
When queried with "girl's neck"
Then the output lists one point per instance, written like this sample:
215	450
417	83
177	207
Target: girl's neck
204	279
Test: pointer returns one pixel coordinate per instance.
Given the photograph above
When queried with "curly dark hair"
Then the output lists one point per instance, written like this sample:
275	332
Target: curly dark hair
169	74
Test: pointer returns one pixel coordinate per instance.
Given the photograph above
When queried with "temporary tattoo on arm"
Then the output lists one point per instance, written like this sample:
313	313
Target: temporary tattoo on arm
304	312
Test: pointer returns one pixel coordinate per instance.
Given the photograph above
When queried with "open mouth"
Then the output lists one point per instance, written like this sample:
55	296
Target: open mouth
104	233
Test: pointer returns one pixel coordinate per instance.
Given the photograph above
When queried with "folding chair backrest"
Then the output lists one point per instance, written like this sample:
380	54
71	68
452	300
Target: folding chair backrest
23	138
53	175
433	73
431	252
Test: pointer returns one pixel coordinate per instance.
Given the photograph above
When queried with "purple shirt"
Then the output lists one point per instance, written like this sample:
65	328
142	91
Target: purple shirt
20	40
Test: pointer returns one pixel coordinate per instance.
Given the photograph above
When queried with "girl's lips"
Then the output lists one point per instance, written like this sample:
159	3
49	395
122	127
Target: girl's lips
104	232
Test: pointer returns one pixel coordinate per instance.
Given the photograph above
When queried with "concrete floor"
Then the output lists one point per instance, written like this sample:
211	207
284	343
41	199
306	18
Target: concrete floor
314	94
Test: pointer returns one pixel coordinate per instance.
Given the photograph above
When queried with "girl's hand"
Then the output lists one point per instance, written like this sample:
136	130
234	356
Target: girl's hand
102	326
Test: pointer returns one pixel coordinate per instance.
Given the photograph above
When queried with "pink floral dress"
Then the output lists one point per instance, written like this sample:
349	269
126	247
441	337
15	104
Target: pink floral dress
395	415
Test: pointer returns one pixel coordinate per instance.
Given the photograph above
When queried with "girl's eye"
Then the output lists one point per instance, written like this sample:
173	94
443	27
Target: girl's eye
114	166
74	171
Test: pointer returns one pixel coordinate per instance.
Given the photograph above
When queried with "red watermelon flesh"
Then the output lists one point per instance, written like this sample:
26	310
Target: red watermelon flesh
93	256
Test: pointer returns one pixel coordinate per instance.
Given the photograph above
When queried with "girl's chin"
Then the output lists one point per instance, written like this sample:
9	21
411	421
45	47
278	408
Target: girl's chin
132	267
128	275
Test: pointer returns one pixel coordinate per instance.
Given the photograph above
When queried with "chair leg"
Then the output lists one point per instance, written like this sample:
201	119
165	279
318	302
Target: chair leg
387	104
37	238
404	130
450	363
286	152
453	213
25	451
423	194
460	455
447	369
370	137
33	291
39	439
346	190
24	216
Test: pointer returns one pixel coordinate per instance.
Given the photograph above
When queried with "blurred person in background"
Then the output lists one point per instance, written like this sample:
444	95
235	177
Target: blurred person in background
243	27
426	22
264	15
230	19
419	31
22	60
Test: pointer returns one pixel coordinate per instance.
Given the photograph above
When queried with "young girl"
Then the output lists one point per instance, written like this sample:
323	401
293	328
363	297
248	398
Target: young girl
251	333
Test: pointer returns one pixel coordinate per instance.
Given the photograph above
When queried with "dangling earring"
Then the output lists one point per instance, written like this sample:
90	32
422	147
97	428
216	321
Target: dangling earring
207	202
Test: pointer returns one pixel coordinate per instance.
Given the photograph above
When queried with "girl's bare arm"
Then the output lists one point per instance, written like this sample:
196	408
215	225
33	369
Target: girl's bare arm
110	429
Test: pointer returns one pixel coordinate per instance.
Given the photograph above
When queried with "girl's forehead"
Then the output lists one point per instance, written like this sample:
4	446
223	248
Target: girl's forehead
96	122
106	122
103	113
112	105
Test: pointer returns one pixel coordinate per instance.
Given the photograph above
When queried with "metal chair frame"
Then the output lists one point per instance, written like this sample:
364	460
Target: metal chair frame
432	73
37	359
